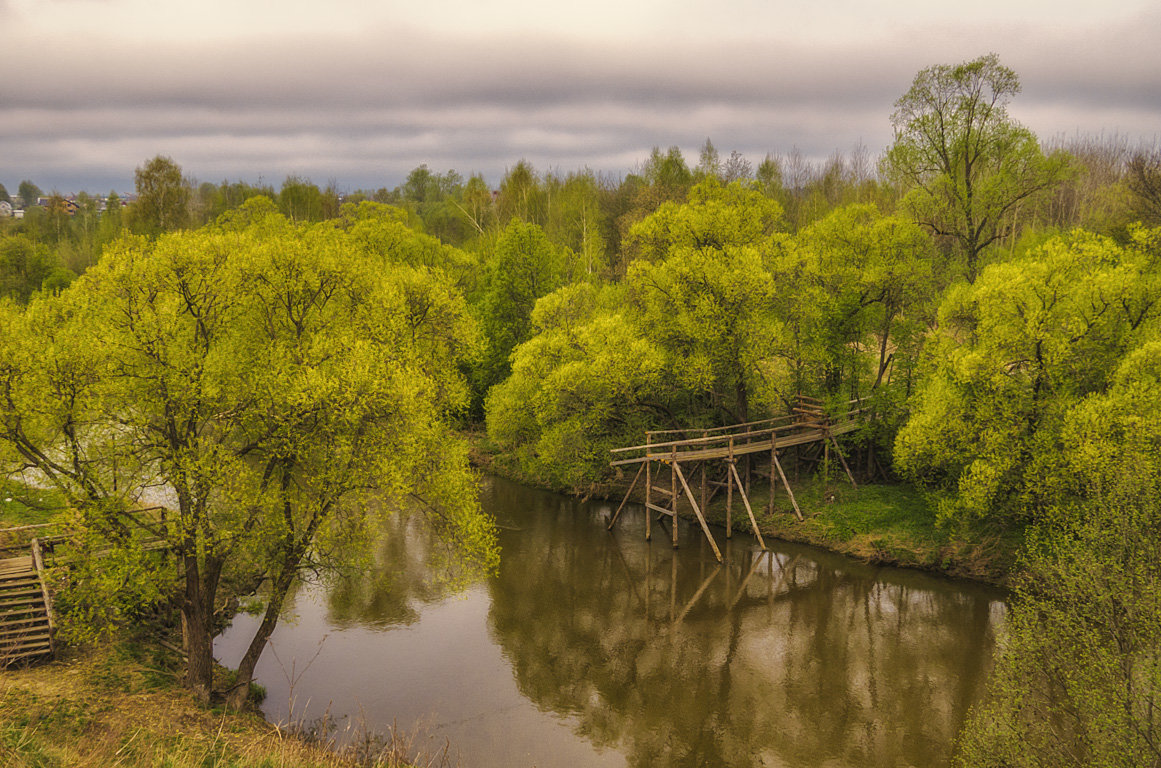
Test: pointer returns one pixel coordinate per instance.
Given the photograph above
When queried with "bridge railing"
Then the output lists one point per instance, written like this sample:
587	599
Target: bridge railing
807	415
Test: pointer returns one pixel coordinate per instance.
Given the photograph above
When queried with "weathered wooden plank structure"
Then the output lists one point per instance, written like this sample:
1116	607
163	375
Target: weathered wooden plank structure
26	617
749	444
27	620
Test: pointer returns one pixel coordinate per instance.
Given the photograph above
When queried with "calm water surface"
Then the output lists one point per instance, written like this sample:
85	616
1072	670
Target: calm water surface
598	649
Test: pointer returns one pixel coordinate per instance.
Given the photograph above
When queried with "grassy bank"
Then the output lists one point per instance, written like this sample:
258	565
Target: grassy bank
886	524
122	705
23	505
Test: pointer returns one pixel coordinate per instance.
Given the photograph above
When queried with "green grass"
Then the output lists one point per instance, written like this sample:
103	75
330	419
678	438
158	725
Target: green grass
891	524
21	504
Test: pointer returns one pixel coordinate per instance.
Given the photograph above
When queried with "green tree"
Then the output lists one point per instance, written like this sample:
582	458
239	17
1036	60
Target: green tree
1078	682
704	293
163	197
112	224
1014	352
669	172
586	381
270	379
713	217
524	266
863	290
966	166
4	195
381	232
56	219
711	313
300	200
574	218
29	193
709	162
477	203
521	196
24	265
768	178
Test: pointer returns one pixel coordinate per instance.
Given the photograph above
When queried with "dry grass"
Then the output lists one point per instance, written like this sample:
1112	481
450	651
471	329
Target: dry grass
120	705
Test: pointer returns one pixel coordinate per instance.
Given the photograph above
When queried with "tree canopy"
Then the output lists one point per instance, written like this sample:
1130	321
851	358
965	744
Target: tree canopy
1015	351
965	165
267	375
163	197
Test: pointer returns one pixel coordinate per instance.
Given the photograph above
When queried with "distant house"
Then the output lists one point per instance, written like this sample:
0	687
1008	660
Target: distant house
68	203
5	209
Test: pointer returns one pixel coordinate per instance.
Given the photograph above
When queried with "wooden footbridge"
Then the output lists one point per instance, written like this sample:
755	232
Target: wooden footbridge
27	621
751	444
26	616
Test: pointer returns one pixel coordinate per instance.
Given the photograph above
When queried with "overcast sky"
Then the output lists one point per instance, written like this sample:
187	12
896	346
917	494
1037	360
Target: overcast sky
362	92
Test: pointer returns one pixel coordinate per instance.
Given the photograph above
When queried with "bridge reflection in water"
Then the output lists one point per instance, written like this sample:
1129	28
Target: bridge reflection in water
591	648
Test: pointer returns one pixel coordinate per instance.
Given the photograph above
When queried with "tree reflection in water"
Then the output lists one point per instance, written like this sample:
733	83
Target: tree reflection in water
589	646
791	657
404	568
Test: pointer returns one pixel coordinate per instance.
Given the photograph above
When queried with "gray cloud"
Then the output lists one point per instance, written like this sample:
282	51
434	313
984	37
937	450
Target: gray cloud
363	109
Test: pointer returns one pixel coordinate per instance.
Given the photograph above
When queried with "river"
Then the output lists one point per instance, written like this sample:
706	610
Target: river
598	649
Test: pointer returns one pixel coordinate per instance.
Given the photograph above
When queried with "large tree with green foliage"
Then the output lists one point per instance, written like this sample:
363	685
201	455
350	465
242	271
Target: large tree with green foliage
163	197
524	266
863	288
586	381
267	376
703	292
1078	681
967	168
1014	352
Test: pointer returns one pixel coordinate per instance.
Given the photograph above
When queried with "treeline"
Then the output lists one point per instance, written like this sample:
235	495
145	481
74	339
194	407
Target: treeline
997	298
1109	185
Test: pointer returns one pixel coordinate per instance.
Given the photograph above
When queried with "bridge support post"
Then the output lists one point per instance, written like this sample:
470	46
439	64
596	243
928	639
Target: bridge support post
648	489
843	460
730	491
789	492
749	511
673	473
773	479
697	513
628	493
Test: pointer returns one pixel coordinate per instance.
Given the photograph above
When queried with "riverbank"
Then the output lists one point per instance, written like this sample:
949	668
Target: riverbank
122	704
891	524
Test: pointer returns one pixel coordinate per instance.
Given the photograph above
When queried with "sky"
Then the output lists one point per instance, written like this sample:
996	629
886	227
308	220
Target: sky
359	93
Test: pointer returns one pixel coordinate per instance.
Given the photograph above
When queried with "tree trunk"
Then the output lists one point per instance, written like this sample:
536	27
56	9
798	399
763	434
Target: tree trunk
196	623
743	400
294	551
236	697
